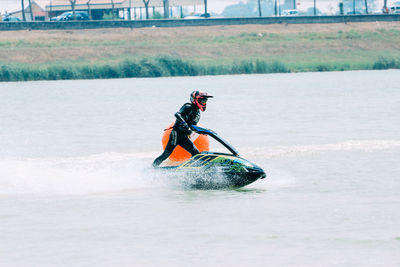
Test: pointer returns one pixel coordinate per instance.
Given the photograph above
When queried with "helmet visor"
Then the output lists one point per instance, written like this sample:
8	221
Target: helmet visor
202	101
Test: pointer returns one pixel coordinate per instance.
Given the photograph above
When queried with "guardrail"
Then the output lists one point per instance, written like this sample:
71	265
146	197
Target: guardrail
64	25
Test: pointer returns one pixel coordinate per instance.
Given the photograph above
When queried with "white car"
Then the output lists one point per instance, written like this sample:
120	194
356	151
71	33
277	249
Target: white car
394	10
290	12
198	16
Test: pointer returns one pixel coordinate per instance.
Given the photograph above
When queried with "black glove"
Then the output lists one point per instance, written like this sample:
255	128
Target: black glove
185	128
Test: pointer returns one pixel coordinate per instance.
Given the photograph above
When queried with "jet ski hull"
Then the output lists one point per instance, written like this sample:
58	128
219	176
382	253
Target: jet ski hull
216	171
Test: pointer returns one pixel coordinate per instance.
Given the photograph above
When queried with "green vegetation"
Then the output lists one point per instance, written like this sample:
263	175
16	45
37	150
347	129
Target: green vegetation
110	53
167	66
156	67
386	63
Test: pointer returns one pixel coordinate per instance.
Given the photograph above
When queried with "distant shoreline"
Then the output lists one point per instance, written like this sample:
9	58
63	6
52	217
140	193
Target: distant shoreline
184	51
174	23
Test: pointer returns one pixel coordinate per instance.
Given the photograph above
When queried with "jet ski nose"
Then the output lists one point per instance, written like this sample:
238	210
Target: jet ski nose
256	172
262	174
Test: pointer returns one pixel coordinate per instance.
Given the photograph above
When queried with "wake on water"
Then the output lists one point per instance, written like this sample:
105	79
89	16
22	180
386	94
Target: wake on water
351	145
116	172
108	172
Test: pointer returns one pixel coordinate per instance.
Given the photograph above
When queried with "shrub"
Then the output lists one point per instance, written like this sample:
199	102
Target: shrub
323	68
278	67
131	69
386	63
243	67
150	69
157	15
5	74
176	67
108	71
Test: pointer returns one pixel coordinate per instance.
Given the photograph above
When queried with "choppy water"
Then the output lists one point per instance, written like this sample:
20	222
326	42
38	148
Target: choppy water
76	188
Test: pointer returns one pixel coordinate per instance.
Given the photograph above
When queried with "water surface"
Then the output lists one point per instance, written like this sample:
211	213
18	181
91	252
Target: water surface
76	188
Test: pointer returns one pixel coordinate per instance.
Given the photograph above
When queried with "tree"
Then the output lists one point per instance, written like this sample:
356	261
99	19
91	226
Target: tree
366	7
146	6
341	8
166	8
249	9
279	7
73	2
23	10
112	9
239	10
205	8
259	8
350	5
30	10
315	7
311	11
88	7
288	4
130	10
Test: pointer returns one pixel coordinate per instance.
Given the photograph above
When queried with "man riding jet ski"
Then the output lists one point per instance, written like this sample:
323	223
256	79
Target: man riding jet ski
188	115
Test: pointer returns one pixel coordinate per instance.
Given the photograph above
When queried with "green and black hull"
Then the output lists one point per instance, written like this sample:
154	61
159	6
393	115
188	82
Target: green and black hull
216	171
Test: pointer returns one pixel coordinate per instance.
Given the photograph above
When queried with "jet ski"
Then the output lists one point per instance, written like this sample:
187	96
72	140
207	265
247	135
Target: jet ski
212	170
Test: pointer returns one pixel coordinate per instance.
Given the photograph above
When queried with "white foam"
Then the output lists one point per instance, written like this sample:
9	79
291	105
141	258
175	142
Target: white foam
114	172
108	172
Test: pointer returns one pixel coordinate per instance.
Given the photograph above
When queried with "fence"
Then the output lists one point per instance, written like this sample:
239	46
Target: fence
62	25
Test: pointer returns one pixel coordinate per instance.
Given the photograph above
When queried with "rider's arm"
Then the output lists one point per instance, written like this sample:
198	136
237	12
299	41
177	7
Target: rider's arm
183	111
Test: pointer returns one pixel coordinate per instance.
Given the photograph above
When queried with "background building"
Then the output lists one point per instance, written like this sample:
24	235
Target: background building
38	12
122	9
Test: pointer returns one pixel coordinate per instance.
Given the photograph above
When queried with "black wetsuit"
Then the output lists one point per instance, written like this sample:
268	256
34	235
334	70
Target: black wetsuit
188	115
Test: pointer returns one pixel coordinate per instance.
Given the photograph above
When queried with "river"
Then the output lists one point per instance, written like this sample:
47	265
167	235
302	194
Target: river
76	187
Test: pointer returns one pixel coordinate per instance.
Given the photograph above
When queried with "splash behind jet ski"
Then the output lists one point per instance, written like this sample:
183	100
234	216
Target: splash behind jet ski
212	170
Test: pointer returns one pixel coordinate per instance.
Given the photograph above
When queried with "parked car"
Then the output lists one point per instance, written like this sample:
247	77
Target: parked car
290	12
394	10
198	16
9	18
80	15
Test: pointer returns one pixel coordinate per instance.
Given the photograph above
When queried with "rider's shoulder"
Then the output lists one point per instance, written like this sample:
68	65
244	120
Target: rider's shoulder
186	106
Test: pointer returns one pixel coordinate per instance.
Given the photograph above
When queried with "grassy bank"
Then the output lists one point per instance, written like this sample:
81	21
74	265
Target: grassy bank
117	53
167	66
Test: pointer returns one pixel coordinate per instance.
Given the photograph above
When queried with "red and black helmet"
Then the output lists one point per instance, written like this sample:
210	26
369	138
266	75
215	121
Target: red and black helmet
199	99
